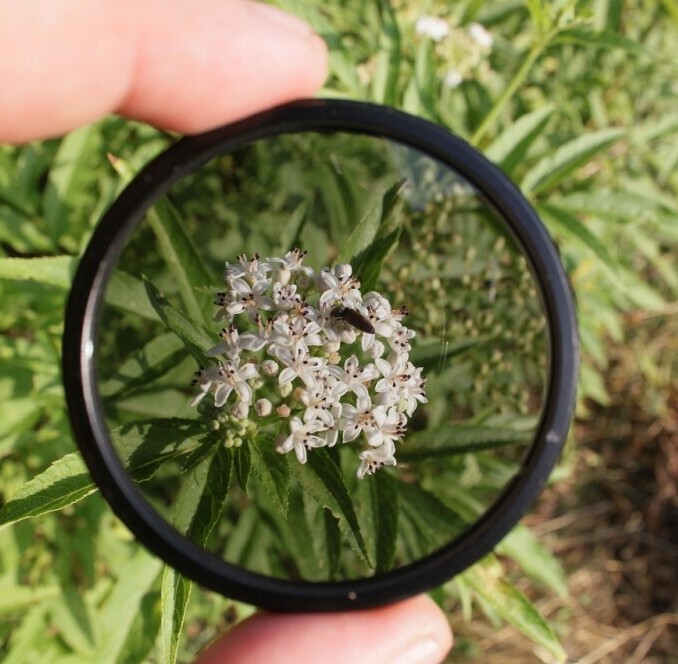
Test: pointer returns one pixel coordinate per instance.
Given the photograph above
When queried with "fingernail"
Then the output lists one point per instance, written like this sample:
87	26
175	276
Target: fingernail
283	19
425	651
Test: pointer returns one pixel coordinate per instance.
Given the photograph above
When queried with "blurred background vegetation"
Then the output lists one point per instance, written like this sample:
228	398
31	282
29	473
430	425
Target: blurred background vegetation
576	101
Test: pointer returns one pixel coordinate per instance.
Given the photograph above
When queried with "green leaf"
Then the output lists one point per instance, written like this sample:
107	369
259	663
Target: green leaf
74	620
509	148
145	366
560	220
185	263
621	206
553	169
65	176
196	339
387	61
124	291
321	478
175	593
375	236
144	446
436	521
65	482
488	581
15	600
455	439
52	271
384	497
273	472
128	293
523	546
242	460
332	543
120	609
602	39
434	354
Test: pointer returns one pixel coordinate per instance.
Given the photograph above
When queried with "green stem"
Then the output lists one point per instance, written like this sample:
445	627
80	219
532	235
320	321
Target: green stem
517	80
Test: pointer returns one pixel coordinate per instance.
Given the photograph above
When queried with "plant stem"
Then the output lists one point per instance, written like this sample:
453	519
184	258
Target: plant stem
517	80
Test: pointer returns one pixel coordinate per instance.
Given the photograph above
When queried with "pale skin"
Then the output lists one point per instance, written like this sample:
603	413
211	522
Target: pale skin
187	66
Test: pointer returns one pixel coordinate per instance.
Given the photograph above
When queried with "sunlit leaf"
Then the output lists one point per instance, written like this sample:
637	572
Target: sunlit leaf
558	165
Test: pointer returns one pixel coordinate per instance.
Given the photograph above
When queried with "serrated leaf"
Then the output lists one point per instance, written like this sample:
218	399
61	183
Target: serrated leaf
144	446
321	478
175	594
51	271
332	543
553	169
487	579
196	339
436	520
375	236
384	496
65	482
509	148
273	472
522	545
455	439
145	366
242	464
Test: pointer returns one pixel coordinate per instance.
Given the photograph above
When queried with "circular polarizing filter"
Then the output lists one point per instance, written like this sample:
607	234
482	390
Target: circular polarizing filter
321	358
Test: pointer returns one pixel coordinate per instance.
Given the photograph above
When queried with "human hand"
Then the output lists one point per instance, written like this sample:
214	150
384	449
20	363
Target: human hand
189	65
184	65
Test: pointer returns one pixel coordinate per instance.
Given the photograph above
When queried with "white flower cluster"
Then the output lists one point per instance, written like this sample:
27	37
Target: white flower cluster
292	345
465	50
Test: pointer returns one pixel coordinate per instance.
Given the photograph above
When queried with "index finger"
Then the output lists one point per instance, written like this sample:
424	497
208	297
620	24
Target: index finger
185	65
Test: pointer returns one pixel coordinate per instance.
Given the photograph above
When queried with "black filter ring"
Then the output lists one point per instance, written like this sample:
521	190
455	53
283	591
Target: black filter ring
80	341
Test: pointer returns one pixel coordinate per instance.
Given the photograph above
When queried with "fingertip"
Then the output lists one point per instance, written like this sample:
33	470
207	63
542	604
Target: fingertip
233	59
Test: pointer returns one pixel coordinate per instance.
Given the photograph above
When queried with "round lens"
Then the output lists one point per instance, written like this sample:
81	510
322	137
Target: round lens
322	356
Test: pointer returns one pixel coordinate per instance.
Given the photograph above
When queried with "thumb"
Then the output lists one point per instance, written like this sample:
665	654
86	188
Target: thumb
411	632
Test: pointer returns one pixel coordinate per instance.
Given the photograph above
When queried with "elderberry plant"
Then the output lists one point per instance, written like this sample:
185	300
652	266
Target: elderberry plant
331	362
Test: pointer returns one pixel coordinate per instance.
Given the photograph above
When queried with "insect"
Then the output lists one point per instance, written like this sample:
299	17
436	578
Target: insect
353	318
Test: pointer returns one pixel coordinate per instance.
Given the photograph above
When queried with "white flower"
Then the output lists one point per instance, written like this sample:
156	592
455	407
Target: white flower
322	382
223	379
479	34
302	438
252	271
353	377
373	459
245	297
338	286
234	342
362	418
433	27
452	79
300	364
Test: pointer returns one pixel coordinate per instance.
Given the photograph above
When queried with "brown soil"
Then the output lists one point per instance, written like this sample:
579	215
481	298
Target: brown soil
613	525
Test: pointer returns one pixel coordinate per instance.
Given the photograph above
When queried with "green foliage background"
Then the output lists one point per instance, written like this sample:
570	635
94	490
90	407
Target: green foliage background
576	101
